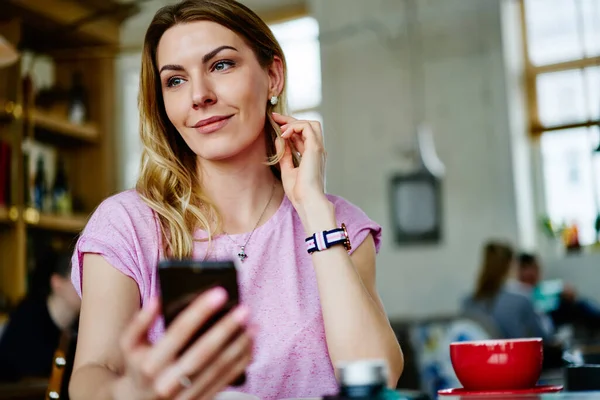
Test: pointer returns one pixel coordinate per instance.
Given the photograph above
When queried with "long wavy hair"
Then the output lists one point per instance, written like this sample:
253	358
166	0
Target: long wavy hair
495	269
169	181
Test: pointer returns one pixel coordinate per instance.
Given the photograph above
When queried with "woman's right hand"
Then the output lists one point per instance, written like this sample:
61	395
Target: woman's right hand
214	361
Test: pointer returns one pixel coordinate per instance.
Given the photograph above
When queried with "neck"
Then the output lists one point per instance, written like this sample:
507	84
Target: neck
60	311
241	189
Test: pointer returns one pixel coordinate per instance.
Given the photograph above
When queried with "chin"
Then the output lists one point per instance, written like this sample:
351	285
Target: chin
225	147
219	153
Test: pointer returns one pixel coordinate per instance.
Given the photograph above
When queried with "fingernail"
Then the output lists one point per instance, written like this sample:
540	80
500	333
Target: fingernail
218	296
241	314
274	113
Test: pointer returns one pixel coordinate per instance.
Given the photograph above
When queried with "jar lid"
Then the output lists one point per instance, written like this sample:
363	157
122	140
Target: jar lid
362	372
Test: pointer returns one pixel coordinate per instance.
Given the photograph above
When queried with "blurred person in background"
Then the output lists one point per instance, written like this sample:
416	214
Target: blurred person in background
501	299
34	327
570	307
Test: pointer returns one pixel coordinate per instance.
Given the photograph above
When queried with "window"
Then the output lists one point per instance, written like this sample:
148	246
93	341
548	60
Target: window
299	39
130	146
563	80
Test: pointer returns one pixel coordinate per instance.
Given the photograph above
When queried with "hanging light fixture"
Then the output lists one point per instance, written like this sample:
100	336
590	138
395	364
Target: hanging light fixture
416	196
8	54
427	158
597	150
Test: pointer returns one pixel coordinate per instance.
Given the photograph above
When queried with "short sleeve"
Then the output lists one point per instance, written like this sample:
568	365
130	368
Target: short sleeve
358	223
124	231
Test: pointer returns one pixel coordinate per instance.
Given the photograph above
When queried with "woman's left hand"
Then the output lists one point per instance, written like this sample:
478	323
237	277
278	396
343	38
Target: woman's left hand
304	185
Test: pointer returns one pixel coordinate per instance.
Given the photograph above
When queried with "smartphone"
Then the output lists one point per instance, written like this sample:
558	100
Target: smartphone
182	281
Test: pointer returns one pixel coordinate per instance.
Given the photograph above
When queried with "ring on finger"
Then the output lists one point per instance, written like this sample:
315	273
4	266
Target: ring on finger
185	381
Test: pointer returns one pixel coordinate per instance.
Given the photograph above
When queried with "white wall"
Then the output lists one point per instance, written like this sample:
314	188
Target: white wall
366	97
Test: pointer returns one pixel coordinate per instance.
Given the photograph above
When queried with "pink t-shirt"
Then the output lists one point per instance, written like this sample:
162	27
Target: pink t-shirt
277	282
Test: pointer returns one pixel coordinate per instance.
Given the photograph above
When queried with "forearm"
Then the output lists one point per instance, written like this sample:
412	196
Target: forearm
355	326
94	382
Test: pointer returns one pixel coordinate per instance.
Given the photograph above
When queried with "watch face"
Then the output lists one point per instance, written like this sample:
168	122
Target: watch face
347	244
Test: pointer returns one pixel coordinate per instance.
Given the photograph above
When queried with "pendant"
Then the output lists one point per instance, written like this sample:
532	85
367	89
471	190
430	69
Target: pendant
242	254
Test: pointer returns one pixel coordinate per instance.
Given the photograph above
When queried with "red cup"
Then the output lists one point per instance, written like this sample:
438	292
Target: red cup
497	364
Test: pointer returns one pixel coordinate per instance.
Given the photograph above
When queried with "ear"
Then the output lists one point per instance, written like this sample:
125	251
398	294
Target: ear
276	77
55	282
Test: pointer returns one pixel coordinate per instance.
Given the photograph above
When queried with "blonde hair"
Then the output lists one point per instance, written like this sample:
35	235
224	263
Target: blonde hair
169	181
497	260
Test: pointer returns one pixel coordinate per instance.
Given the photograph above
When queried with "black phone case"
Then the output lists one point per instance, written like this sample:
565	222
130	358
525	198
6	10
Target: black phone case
182	281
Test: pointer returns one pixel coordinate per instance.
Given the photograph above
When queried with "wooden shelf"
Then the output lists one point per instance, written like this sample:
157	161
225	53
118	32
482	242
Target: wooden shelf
55	24
60	30
58	223
58	125
10	110
4	215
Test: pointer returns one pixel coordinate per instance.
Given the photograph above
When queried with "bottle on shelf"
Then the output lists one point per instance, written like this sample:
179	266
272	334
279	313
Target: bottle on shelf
571	239
40	186
77	100
61	197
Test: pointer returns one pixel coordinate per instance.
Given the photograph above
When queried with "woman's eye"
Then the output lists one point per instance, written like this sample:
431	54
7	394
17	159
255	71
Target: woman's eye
223	65
174	82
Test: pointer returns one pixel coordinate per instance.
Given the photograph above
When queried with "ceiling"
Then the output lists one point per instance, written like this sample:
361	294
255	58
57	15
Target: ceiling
133	30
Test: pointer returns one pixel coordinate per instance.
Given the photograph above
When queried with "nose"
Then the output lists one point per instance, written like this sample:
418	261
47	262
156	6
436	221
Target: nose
202	93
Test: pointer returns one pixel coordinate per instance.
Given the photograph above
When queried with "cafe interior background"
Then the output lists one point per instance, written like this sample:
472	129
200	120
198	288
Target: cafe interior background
449	122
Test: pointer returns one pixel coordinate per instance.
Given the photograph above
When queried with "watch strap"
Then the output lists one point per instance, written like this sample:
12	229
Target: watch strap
324	240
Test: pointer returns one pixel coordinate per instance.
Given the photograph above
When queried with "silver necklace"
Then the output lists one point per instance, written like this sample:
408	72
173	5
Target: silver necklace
242	255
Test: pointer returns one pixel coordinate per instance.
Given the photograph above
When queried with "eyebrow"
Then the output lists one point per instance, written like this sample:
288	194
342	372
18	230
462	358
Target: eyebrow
206	58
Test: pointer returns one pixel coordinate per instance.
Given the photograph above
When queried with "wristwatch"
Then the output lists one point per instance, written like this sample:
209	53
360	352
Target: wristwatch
320	241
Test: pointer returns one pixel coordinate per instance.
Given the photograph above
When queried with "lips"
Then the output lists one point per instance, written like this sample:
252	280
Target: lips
211	120
212	124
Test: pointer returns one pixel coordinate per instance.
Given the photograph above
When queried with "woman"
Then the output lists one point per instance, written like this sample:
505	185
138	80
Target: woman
224	174
500	300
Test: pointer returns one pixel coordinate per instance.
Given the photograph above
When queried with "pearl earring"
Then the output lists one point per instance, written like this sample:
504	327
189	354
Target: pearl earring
274	100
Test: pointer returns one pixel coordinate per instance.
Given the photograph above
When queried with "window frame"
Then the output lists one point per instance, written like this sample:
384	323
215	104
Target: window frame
286	15
535	127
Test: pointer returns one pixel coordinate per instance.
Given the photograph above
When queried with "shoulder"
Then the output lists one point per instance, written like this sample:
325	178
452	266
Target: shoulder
123	219
358	223
468	301
126	232
516	299
127	203
345	207
122	212
516	291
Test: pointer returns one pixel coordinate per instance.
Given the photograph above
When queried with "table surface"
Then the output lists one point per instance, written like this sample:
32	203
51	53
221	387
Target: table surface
544	396
27	389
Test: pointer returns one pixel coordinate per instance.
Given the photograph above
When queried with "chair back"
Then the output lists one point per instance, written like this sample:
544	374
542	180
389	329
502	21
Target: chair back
62	367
